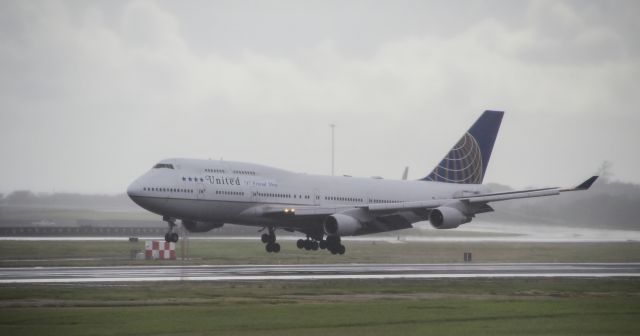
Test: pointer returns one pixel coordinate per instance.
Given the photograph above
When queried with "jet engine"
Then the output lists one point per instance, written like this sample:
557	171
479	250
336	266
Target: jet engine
195	226
447	217
341	225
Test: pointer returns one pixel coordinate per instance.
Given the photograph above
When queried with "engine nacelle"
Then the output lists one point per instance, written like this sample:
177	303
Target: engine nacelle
194	226
341	225
446	217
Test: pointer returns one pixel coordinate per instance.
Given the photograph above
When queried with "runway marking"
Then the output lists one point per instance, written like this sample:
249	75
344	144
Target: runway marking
326	277
312	272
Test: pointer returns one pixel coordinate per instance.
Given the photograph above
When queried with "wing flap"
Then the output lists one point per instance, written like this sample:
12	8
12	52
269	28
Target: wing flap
486	198
406	205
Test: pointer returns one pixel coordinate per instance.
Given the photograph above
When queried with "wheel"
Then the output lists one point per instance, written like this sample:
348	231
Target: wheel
332	250
276	247
323	244
268	247
167	238
314	245
333	240
173	237
268	238
307	245
341	249
300	243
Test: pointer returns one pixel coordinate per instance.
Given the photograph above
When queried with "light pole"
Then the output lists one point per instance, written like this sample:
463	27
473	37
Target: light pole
333	148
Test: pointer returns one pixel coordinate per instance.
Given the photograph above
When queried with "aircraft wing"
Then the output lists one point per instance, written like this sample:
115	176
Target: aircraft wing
476	203
503	196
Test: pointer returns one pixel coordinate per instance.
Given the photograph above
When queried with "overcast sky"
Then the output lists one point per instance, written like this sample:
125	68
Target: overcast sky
92	94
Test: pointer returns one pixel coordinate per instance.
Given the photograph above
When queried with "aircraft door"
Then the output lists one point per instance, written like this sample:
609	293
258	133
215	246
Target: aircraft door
200	190
315	198
252	192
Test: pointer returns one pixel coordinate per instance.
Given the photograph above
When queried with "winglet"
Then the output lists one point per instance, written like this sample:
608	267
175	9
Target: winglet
586	184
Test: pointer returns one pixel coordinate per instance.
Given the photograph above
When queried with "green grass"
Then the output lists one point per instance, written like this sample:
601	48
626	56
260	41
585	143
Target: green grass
64	253
402	307
383	317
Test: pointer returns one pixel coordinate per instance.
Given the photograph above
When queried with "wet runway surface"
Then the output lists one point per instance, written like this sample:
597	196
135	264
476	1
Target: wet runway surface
312	272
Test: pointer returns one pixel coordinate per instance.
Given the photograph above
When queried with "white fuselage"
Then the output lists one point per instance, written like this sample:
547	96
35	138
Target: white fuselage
229	192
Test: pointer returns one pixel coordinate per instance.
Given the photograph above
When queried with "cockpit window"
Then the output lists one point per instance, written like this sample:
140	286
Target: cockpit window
163	165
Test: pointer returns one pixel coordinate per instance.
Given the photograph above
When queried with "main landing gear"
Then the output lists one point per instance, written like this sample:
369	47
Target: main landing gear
332	243
310	244
270	241
171	236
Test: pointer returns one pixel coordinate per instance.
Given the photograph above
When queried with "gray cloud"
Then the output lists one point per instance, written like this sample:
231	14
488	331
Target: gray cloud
93	93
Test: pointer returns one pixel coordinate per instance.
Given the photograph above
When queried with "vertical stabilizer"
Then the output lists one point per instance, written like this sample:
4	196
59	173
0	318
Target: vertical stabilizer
467	161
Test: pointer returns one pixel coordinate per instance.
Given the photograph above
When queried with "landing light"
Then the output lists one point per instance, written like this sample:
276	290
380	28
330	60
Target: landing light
289	211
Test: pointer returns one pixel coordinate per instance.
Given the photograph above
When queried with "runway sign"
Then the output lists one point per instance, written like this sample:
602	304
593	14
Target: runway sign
157	249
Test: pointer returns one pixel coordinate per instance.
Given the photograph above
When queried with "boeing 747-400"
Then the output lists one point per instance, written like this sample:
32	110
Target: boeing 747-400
206	194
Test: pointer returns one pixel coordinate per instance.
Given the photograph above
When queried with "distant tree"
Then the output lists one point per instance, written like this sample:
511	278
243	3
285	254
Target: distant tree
21	197
608	204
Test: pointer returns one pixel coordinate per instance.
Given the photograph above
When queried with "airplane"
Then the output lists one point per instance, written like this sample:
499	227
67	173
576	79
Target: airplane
206	194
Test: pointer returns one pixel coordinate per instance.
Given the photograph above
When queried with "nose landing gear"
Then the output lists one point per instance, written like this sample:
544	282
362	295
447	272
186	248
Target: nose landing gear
171	236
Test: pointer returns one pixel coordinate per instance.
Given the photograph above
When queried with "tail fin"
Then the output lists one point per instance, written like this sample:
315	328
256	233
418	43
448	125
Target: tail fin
467	161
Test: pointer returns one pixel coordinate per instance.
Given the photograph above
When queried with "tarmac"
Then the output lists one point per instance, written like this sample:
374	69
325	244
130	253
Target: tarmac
313	272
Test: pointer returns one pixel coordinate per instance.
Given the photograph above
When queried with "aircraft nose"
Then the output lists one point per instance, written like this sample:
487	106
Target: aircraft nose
134	188
130	190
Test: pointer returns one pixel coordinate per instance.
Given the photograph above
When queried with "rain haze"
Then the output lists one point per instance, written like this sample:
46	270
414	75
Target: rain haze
92	94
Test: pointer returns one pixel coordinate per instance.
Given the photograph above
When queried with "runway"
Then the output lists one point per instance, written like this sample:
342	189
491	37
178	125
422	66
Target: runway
311	272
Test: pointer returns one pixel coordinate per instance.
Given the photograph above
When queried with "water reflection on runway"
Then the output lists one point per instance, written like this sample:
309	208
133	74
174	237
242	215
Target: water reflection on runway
312	272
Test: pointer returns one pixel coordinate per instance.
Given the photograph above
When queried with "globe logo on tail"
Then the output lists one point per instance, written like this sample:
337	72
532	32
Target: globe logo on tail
463	164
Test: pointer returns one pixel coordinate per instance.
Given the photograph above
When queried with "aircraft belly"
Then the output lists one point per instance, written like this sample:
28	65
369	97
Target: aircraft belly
205	210
154	204
311	227
391	222
222	210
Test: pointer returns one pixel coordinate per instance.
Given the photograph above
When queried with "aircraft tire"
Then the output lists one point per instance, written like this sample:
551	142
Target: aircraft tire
275	248
268	247
167	238
173	237
264	238
300	243
333	240
341	249
314	245
323	244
